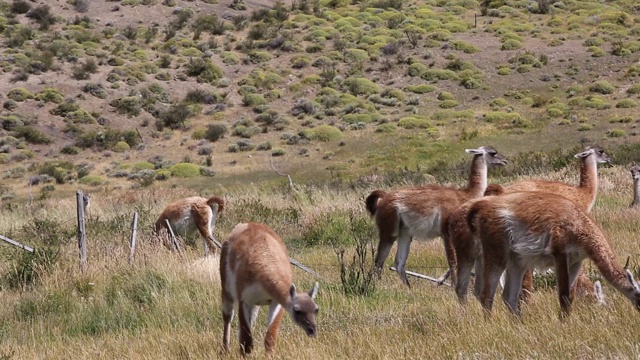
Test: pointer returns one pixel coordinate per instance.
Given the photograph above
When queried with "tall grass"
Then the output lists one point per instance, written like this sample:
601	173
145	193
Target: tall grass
167	306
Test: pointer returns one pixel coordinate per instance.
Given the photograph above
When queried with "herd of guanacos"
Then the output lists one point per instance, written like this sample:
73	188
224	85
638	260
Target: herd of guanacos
493	228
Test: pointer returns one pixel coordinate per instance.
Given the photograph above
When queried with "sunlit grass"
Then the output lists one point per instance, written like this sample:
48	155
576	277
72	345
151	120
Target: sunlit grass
165	306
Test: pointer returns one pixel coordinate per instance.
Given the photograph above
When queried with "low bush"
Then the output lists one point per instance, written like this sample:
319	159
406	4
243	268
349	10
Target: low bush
185	170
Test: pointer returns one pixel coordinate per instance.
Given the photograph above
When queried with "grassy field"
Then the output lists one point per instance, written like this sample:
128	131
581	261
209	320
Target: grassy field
219	98
164	306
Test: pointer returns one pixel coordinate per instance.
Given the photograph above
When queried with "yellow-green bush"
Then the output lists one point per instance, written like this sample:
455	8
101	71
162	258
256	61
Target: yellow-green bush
326	132
185	170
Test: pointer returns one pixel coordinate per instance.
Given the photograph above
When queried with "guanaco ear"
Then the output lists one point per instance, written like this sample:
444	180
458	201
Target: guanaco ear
292	291
314	291
474	151
584	154
633	281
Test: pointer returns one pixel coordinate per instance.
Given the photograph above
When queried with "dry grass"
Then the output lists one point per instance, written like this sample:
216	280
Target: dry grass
165	306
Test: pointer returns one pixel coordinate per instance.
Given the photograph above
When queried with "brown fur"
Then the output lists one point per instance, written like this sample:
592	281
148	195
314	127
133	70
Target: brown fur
418	211
192	214
255	271
462	250
521	230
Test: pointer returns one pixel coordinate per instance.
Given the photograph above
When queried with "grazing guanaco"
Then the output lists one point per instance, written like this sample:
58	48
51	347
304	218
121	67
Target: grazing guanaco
192	214
255	271
635	175
463	251
418	211
520	231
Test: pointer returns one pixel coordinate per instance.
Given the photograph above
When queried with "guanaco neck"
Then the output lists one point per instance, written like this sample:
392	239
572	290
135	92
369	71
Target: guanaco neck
477	177
589	178
636	192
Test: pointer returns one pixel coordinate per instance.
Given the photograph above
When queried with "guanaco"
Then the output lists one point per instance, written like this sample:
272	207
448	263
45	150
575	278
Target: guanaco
188	215
255	271
463	251
520	231
419	211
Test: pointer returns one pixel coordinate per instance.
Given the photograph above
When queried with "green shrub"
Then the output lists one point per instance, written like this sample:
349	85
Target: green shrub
326	132
504	71
185	170
421	89
95	89
278	152
70	150
616	133
360	86
499	102
634	89
416	69
19	94
511	44
162	174
253	100
621	119
300	61
204	70
79	116
92	180
602	87
120	146
596	51
360	118
438	74
464	47
355	56
387	128
445	95
215	132
31	135
448	104
626	103
50	95
415	122
27	268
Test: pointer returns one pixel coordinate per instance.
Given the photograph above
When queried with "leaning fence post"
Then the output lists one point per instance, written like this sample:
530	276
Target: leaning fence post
134	230
82	236
16	244
173	241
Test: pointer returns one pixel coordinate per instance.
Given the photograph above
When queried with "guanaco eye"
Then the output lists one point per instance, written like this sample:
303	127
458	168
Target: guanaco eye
316	312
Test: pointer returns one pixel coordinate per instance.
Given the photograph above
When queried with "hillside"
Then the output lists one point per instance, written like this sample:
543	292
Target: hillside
113	94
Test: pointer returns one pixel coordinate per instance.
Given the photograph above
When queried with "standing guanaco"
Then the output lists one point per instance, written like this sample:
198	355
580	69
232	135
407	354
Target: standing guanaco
524	230
418	211
255	271
188	215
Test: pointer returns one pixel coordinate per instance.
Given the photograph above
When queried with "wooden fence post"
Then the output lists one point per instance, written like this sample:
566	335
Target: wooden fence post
82	236
173	240
134	230
17	244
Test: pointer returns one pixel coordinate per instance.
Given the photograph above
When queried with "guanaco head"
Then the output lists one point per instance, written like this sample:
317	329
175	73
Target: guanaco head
304	309
598	152
635	172
491	155
636	290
